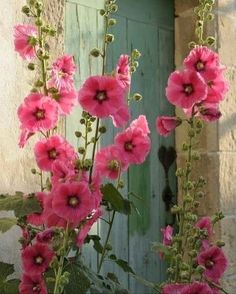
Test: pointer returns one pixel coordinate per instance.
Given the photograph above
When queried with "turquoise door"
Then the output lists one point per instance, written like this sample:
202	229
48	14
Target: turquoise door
148	26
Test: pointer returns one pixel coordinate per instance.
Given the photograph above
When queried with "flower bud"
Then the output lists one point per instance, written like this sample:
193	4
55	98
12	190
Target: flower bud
179	172
200	194
78	134
137	97
220	243
136	54
95	52
82	121
81	150
112	22
38	84
102	12
114	8
200	269
38	22
192	45
185	147
33	171
102	129
191	133
31	66
210	16
121	184
110	38
175	209
210	41
136	64
25	9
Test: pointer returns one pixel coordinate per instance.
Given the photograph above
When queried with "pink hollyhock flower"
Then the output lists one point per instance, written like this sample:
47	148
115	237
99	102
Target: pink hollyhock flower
36	258
134	144
197	288
215	262
25	239
87	227
204	223
38	113
186	88
32	285
51	218
173	289
202	59
72	201
45	236
101	96
209	112
63	70
167	235
55	148
123	71
24	136
166	124
25	41
141	123
37	219
109	162
94	187
62	171
121	117
66	100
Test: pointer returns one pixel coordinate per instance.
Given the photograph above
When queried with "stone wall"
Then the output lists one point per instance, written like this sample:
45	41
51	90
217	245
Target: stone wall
15	82
218	145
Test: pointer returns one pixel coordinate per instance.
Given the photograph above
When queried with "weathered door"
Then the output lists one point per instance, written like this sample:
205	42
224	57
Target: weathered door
148	26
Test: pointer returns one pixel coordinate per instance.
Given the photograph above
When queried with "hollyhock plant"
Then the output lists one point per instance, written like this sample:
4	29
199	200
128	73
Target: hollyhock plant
36	258
215	262
72	201
134	143
109	162
37	219
32	284
63	70
166	124
25	40
55	148
205	223
101	96
167	235
197	288
186	88
123	71
38	113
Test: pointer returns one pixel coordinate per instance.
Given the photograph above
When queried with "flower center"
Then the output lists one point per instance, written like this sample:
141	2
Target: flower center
52	154
188	89
73	201
200	65
36	288
39	260
113	165
39	114
210	84
209	264
128	146
101	96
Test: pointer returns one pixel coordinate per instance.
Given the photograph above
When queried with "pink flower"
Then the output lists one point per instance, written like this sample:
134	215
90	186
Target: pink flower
209	112
202	59
121	117
45	236
197	288
166	124
32	285
94	188
101	96
204	223
123	71
109	162
36	258
25	239
215	262
186	88
134	144
173	289
62	171
141	123
37	219
87	227
72	201
66	100
38	113
24	136
167	235
63	70
25	40
48	150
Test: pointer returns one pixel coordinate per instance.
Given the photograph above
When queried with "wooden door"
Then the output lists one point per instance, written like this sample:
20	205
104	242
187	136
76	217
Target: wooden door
148	26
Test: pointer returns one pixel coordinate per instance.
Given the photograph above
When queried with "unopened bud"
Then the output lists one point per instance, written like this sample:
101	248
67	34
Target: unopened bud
78	134
31	66
111	22
33	171
95	52
136	54
81	150
102	129
220	243
102	12
137	97
25	9
210	41
109	38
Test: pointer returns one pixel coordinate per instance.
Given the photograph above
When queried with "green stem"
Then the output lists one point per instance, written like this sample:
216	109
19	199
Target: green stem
94	149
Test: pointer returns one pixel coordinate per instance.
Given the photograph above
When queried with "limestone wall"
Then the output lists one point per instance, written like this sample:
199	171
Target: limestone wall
218	145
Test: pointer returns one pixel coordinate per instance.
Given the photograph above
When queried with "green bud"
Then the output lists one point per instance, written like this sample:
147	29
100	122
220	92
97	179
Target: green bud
87	164
38	23
34	90
114	8
210	17
185	147
110	38
199	23
211	2
175	209
200	194
188	199
32	41
200	269
92	119
82	121
52	32
89	129
196	156
108	247
95	52
112	22
93	140
31	66
31	2
137	97
196	204
210	41
133	69
184	275
220	243
192	45
136	64
191	133
33	171
179	172
136	54
199	124
38	84
102	12
121	184
25	9
81	150
78	134
193	253
102	129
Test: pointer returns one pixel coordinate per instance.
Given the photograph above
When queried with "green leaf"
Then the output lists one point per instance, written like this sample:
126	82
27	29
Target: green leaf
11	286
6	270
117	201
20	204
124	265
6	223
161	248
113	277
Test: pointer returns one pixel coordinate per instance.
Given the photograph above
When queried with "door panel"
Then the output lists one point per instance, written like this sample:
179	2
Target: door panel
148	26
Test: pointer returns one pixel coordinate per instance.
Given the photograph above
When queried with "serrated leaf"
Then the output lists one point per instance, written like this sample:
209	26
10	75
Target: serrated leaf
6	270
124	265
6	223
117	201
21	205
